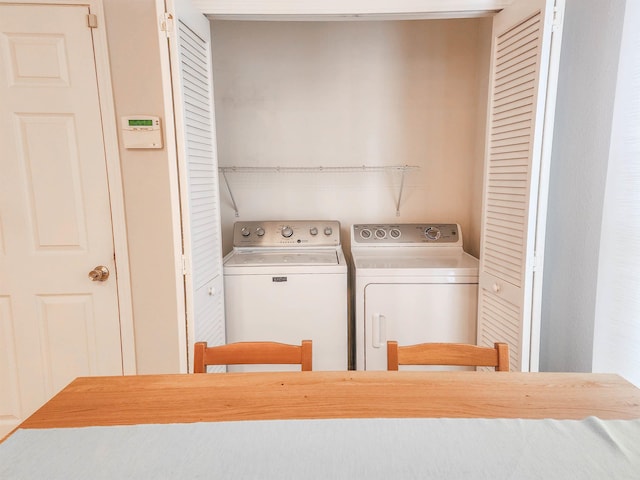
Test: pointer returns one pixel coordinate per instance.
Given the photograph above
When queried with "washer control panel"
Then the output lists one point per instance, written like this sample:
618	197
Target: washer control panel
413	233
294	233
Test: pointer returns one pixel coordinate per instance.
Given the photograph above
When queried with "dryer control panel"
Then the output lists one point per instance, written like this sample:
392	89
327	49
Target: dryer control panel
441	234
293	233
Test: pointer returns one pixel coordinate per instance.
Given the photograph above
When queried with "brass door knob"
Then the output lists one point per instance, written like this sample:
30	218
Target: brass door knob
99	274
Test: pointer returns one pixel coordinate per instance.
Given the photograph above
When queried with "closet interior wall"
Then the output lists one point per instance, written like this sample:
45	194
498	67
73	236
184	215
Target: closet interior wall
331	94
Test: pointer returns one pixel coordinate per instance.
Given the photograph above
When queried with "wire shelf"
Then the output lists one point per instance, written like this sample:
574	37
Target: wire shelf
318	169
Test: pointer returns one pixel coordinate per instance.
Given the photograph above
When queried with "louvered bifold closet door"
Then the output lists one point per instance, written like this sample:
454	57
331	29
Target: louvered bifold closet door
511	180
195	128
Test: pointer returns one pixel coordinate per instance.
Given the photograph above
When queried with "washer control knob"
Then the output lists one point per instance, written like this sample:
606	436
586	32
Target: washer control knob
260	231
328	231
365	233
380	233
313	231
245	232
432	233
394	233
287	231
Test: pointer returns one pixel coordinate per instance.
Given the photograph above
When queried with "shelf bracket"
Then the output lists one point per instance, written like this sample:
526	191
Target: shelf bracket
400	192
233	200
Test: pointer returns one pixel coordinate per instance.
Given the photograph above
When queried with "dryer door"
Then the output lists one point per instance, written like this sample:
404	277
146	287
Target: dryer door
417	313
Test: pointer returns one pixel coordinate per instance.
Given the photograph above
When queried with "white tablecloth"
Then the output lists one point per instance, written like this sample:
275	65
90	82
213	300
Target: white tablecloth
331	449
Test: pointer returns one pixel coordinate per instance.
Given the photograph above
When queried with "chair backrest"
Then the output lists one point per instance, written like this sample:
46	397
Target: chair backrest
252	353
455	354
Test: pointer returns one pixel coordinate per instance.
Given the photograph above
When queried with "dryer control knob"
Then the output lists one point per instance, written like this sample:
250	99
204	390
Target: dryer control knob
328	231
245	232
287	232
432	233
313	231
260	231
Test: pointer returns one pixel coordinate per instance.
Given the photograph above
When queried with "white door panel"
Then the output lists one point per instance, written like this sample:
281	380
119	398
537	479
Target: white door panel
208	305
194	115
417	313
55	218
521	53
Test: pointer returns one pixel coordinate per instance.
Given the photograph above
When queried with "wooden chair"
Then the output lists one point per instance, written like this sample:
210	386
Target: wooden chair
457	354
252	353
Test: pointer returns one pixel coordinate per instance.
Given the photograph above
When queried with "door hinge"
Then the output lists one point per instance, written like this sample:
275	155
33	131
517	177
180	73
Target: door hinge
557	19
166	23
92	20
184	265
534	264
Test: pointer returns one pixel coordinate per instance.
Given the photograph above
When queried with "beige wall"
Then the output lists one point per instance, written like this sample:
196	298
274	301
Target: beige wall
476	178
135	71
353	93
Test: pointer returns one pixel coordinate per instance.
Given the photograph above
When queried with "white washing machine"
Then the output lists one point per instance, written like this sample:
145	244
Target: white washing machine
286	281
412	283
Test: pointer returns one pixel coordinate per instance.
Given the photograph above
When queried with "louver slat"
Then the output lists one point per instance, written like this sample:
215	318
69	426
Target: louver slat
509	147
199	142
511	169
500	321
202	178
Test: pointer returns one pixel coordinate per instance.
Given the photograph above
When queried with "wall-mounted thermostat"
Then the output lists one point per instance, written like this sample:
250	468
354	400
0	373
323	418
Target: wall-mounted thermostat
141	131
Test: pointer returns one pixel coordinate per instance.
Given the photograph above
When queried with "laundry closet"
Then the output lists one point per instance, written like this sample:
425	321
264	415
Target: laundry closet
383	119
315	98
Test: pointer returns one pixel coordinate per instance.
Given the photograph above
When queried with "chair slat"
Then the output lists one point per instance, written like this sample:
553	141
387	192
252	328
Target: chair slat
455	354
253	353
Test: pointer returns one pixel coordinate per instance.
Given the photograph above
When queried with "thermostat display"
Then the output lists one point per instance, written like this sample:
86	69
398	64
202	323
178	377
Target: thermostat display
141	131
147	122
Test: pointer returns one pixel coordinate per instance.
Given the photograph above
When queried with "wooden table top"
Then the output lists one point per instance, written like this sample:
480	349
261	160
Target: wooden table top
101	401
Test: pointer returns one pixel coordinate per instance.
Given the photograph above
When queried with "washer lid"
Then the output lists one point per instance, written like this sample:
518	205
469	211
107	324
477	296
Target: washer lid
265	258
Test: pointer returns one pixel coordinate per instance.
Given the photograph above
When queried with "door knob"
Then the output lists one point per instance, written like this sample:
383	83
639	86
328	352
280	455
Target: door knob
99	274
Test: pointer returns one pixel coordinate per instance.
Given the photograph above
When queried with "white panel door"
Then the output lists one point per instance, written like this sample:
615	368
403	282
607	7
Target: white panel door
55	220
519	100
417	313
192	78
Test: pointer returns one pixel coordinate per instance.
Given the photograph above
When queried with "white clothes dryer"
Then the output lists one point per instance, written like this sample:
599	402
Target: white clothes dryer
413	283
286	281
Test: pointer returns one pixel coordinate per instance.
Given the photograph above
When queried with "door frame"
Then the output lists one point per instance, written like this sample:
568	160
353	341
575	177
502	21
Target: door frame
553	69
114	175
348	9
179	201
